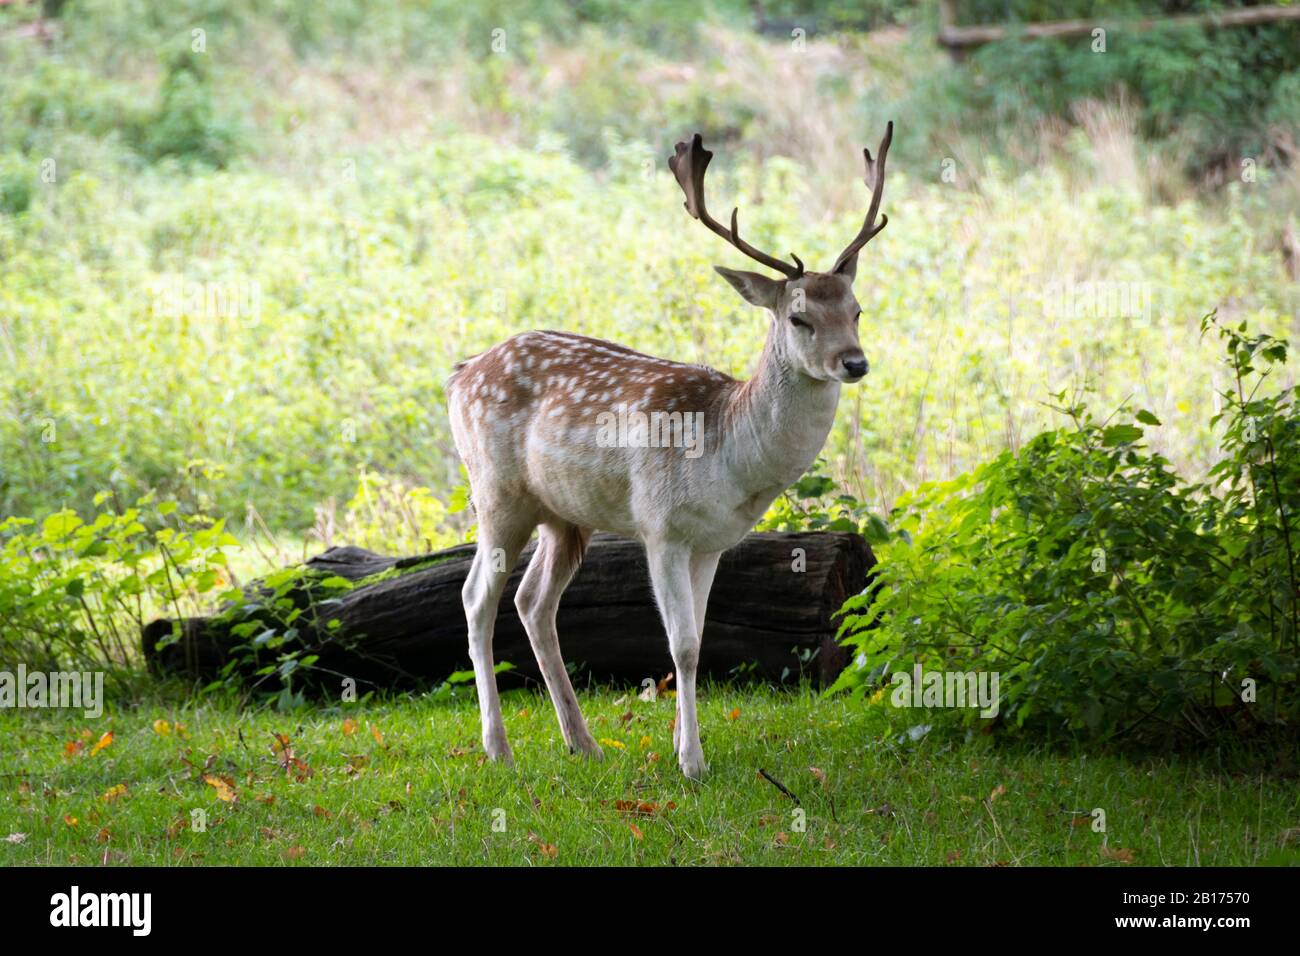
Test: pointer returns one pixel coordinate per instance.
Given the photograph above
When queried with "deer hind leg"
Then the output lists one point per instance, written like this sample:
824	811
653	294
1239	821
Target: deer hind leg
559	552
670	575
704	564
503	532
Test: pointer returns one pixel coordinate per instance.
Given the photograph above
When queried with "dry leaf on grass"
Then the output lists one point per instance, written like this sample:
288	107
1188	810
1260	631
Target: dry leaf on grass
224	786
548	850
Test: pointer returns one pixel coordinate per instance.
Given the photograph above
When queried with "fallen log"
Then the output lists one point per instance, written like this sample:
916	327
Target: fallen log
769	617
960	38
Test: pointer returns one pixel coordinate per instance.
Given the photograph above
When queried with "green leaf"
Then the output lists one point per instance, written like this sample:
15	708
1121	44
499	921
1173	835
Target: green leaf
1120	435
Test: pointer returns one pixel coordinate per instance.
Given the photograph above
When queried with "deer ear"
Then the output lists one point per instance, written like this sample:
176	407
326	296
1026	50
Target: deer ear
756	289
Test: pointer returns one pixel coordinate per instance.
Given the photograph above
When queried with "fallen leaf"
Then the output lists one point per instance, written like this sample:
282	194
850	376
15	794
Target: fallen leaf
549	850
734	715
72	748
321	812
645	741
616	744
953	856
636	831
103	742
349	727
294	853
783	838
998	791
224	786
16	838
643	808
1118	855
819	774
112	793
162	728
375	732
70	820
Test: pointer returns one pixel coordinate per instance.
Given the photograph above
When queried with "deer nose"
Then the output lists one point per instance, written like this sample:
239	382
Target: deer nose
856	367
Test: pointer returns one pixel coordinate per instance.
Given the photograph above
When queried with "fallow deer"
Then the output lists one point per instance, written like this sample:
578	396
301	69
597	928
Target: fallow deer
531	419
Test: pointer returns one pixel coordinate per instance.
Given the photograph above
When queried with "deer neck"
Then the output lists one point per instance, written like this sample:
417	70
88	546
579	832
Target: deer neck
777	421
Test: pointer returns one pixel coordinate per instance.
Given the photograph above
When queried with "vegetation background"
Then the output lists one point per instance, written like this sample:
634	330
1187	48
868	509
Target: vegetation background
242	243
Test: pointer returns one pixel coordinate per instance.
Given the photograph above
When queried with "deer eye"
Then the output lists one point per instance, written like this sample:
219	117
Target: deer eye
799	323
856	317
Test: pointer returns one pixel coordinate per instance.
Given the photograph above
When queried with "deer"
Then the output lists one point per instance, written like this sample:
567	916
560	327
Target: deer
531	420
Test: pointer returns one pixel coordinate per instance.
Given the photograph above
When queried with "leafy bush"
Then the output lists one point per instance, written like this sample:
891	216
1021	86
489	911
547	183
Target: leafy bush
1113	598
17	183
281	623
188	123
74	595
1220	93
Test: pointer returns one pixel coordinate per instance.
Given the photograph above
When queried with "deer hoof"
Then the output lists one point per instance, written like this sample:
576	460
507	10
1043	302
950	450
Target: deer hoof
498	751
588	748
693	766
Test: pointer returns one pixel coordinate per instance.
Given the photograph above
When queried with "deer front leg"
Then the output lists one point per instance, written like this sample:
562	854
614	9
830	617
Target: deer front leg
704	564
670	576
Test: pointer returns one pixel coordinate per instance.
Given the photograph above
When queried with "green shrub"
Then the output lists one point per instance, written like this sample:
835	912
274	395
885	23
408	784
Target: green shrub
74	594
1113	598
17	183
1221	93
188	124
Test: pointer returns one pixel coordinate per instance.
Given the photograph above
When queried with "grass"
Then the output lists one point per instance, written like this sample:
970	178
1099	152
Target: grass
408	785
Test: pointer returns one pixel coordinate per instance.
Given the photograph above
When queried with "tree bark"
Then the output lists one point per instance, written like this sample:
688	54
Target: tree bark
769	616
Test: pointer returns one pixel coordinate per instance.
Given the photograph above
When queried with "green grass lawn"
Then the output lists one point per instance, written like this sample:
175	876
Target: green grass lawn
405	782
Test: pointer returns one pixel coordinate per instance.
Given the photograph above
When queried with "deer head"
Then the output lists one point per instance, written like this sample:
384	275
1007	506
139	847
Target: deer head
815	313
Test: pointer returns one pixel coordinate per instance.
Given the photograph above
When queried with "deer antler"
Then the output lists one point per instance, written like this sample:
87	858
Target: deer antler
689	164
875	180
